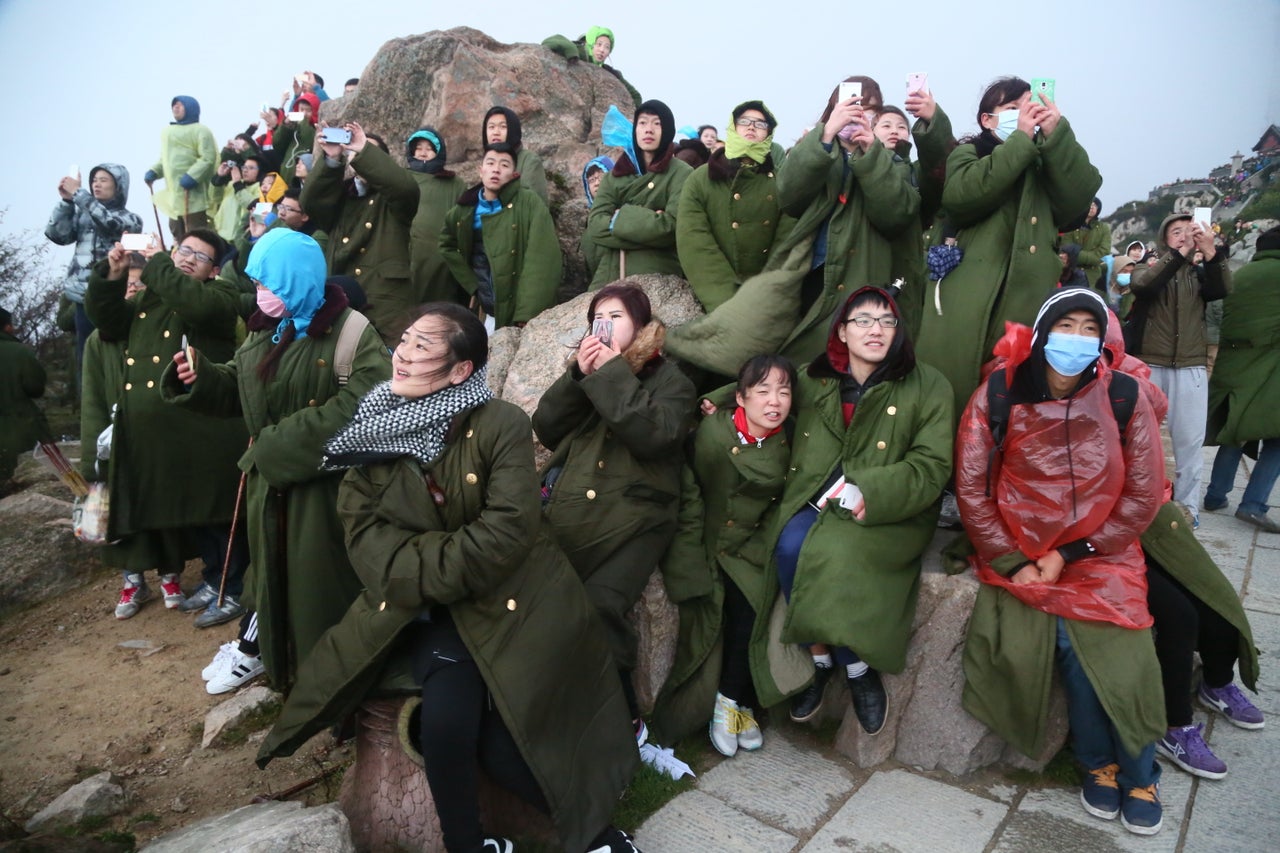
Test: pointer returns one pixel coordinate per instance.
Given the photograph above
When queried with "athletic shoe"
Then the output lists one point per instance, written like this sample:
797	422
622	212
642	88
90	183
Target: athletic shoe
807	703
215	615
1141	812
1100	793
200	599
870	702
613	840
497	845
224	659
242	670
750	737
1232	704
724	726
172	590
642	733
1185	747
135	594
1259	520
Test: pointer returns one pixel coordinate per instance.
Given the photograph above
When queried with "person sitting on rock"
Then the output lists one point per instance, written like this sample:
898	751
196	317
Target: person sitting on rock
22	381
592	175
633	219
500	243
615	421
503	125
872	453
438	188
595	47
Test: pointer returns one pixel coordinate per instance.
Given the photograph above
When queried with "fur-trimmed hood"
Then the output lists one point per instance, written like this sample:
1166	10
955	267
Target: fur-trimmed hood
644	355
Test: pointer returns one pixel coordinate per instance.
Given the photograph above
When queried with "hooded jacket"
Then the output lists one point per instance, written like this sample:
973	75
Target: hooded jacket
533	175
1094	239
94	226
187	149
438	190
1167	319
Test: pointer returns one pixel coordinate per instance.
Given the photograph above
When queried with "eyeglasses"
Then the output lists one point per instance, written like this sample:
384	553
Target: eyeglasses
282	209
187	251
757	123
864	321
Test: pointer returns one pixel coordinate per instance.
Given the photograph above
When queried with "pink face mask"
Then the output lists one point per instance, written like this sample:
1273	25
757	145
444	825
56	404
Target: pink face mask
270	304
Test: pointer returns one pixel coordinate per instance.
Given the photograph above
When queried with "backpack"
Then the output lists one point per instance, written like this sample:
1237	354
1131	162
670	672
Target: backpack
1123	393
345	351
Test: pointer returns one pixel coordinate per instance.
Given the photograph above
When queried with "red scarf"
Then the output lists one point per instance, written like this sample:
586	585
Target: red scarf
740	423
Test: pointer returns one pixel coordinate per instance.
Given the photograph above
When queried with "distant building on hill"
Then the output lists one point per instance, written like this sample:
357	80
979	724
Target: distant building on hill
1270	141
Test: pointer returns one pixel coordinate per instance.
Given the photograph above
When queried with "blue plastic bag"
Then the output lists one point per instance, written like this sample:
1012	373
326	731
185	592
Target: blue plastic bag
617	131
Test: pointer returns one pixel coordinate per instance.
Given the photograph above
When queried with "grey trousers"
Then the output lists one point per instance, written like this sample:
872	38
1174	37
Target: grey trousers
1188	391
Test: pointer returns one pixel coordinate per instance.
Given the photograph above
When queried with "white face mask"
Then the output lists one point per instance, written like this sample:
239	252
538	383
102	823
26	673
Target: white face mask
1008	124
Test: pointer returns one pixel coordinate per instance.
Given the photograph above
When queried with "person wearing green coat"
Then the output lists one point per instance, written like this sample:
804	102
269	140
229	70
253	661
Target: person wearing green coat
168	504
500	243
366	210
595	46
871	456
284	382
188	157
427	158
615	422
22	381
633	218
466	601
729	217
502	125
1093	236
291	139
1008	190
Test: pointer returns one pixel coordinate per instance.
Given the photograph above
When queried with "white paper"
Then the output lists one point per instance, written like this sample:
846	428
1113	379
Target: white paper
665	761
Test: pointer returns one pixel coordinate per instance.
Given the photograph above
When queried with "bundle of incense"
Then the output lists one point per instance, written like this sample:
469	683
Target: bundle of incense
50	454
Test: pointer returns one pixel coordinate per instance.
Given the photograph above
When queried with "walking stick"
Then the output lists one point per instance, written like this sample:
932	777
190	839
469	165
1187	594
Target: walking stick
186	211
231	538
622	264
159	230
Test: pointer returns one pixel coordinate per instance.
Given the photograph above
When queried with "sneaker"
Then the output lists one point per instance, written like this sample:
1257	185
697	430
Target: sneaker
1141	811
642	733
1100	793
242	670
172	590
1259	520
497	845
135	594
224	659
215	615
613	840
1185	747
806	704
724	726
750	737
200	599
870	702
1232	704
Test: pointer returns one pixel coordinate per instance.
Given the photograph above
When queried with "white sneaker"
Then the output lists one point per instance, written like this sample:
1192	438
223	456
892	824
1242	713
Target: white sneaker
723	728
242	670
750	737
222	660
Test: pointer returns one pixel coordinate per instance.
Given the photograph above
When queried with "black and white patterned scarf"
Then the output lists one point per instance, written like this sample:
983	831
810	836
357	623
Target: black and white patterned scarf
387	425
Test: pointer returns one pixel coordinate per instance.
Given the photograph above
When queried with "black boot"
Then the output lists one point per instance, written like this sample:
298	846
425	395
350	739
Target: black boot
870	703
807	704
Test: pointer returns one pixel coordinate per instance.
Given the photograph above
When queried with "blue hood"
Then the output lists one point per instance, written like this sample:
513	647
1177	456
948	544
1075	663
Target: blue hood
192	106
291	265
603	162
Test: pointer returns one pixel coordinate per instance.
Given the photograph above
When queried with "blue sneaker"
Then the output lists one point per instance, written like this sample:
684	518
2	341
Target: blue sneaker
1142	812
1100	794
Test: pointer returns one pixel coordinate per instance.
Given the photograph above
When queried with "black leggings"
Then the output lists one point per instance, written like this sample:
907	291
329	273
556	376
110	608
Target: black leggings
462	732
1184	624
739	621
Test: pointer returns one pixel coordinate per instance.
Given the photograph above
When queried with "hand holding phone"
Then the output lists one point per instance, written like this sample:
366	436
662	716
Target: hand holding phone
849	89
918	82
1043	89
1203	216
336	135
603	329
135	242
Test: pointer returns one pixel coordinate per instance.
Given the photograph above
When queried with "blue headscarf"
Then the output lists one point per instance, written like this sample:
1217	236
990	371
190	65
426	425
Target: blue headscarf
291	265
601	162
192	107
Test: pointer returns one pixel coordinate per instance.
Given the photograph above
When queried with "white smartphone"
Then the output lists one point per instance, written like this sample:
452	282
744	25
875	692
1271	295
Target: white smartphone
262	208
135	242
849	90
1203	215
74	172
296	116
918	82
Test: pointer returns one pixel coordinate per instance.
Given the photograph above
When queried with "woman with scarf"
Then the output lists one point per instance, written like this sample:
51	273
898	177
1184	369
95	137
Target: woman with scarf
871	455
503	125
615	422
729	210
284	379
438	187
1054	492
633	219
465	597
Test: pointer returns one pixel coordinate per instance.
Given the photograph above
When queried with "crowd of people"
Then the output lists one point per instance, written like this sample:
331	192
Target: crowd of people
884	337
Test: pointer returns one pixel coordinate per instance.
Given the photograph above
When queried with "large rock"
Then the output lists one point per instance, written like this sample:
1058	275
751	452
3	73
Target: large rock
95	797
264	828
40	555
234	711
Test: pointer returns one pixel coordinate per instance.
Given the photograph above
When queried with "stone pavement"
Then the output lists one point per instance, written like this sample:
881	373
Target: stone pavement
795	797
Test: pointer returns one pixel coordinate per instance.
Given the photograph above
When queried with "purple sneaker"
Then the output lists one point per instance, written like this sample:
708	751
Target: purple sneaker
1232	704
1185	747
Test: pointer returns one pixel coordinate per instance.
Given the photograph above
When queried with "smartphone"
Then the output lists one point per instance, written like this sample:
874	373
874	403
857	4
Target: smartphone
135	242
603	329
300	78
340	135
1044	89
74	172
918	82
1203	215
296	116
264	108
262	208
849	90
189	351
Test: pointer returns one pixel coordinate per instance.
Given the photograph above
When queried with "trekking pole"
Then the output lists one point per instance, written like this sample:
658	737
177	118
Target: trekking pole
159	230
231	538
186	211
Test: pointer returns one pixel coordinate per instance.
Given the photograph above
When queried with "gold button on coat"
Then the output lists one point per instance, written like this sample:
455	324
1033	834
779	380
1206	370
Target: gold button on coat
346	239
472	479
1034	220
382	606
311	403
1173	525
734	450
129	361
151	384
729	523
651	185
737	196
511	604
470	433
880	445
128	386
892	410
1032	250
591	494
142	315
368	225
319	362
600	464
166	333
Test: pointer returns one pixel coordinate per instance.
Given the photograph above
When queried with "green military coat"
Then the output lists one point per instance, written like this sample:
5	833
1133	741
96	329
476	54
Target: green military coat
1244	391
1008	207
645	235
169	468
22	423
432	280
517	605
299	578
522	247
369	235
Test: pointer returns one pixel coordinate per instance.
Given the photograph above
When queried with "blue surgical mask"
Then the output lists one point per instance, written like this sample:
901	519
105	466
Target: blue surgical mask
1070	354
1122	278
1008	124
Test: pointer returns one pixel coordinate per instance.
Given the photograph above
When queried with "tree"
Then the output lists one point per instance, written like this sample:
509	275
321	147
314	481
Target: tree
30	293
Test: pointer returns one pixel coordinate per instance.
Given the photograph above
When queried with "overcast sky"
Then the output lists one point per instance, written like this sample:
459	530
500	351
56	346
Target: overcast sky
1154	90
